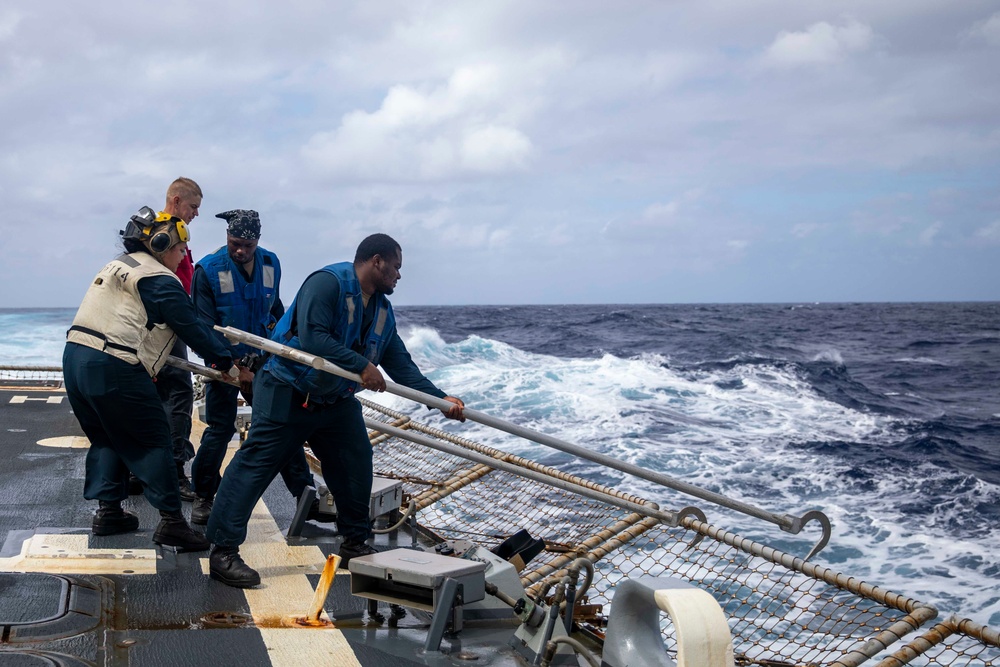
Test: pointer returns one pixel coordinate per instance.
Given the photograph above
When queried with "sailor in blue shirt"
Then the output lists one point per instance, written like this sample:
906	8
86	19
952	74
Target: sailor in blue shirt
235	286
341	313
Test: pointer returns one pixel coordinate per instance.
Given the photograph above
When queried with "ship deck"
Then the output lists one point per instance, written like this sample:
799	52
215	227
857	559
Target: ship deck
69	598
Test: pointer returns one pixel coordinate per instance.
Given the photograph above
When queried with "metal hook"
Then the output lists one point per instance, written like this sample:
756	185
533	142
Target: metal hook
691	510
796	524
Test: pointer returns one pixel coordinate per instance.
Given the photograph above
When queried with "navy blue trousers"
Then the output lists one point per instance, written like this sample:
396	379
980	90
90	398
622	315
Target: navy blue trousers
120	412
177	394
221	404
281	425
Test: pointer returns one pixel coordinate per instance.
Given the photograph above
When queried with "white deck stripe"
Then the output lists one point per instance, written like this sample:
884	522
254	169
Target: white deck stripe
285	593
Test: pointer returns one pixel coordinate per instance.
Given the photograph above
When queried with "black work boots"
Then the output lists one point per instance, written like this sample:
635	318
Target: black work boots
111	519
201	510
174	531
134	485
226	565
349	550
187	493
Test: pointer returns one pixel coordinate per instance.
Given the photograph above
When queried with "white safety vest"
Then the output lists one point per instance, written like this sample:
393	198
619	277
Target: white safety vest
112	317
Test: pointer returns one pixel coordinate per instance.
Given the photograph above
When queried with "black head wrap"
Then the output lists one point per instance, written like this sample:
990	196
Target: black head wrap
243	223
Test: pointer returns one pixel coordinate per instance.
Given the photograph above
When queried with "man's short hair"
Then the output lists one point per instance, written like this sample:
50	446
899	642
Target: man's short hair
185	188
382	245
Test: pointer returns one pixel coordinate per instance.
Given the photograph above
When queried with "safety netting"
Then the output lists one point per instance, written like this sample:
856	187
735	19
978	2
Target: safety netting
782	611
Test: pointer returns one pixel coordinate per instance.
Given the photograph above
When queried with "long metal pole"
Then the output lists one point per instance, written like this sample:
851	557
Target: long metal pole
786	522
192	367
669	518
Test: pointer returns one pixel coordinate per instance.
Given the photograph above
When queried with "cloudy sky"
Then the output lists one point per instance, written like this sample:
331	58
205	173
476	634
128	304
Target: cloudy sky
520	151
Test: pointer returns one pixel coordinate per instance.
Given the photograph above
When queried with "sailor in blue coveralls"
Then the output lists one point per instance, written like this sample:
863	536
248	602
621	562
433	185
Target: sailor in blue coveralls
235	286
121	336
341	313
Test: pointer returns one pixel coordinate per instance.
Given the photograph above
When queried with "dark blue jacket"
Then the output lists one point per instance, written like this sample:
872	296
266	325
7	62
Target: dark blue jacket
346	330
328	319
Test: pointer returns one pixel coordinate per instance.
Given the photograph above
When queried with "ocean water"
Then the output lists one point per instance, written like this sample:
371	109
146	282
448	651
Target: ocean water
884	416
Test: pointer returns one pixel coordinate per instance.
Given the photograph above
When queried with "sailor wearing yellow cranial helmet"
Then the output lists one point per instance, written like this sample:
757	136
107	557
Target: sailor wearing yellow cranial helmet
158	232
131	314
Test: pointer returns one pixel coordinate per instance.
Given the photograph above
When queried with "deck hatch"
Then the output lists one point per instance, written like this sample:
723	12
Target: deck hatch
42	607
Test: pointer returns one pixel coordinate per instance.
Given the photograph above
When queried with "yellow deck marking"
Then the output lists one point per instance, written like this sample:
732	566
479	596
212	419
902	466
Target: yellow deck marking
66	442
69	554
284	593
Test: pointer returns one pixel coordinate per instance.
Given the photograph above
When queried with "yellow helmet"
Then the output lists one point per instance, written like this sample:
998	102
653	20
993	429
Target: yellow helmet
158	232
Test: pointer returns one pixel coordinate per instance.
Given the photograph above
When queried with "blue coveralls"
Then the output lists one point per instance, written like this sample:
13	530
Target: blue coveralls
251	304
294	404
176	392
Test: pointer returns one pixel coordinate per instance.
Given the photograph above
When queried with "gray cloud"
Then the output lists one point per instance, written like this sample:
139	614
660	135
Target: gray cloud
527	151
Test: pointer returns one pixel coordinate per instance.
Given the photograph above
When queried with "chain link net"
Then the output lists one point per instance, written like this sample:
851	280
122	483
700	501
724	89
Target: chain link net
782	612
39	377
955	641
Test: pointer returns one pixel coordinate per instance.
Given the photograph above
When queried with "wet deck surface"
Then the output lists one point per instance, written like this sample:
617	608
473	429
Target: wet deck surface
69	598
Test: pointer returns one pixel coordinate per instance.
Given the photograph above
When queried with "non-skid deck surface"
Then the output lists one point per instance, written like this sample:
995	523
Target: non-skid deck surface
69	598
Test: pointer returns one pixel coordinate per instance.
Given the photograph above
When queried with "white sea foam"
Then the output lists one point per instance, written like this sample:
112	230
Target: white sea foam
832	356
738	431
34	344
743	430
920	360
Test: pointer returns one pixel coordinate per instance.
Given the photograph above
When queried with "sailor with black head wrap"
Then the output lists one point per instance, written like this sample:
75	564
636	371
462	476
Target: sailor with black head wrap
236	286
243	223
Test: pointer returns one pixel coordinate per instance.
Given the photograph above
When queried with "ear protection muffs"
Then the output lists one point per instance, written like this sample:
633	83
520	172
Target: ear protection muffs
169	230
160	241
158	231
